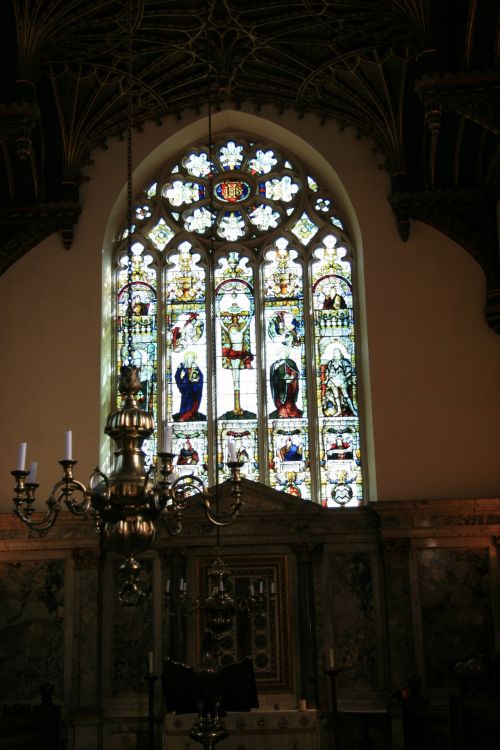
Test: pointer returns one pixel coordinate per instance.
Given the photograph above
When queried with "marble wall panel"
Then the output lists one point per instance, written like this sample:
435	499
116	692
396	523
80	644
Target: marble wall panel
31	629
354	626
455	610
132	640
86	634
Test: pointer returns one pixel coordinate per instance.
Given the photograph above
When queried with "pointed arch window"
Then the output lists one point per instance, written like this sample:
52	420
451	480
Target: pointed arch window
244	319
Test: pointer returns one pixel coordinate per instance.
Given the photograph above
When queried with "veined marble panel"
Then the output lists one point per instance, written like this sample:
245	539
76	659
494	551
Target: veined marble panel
354	626
31	629
455	610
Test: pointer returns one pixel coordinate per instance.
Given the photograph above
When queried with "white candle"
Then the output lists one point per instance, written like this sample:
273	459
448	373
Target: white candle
261	587
181	584
21	458
32	475
331	658
167	586
221	585
167	438
273	590
150	659
231	449
252	589
68	445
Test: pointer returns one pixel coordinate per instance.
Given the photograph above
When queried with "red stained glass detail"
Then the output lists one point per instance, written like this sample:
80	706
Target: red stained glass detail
232	191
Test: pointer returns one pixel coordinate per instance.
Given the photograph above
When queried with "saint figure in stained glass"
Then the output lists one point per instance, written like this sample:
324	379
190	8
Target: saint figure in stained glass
235	315
340	449
338	377
187	331
188	454
189	380
284	379
290	450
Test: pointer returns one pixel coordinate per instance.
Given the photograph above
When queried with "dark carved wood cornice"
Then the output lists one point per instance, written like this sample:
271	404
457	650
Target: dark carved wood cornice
24	225
474	94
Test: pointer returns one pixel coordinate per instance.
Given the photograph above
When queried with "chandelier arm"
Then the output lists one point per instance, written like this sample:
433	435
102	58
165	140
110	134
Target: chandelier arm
99	494
173	530
62	490
221	519
42	525
184	490
155	490
187	483
78	508
149	479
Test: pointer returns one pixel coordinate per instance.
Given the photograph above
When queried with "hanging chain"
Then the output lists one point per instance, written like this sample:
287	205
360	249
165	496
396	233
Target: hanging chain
130	340
213	309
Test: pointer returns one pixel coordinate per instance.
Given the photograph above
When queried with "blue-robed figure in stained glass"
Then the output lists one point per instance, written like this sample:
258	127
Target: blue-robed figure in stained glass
189	380
290	450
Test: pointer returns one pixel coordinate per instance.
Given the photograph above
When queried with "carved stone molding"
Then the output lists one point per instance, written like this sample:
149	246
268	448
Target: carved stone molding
437	518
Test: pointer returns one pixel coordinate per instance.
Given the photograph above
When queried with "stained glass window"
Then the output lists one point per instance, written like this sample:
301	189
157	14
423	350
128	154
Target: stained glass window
243	321
142	294
185	326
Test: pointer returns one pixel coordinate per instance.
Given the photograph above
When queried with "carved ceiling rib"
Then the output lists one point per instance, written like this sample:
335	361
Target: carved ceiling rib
420	78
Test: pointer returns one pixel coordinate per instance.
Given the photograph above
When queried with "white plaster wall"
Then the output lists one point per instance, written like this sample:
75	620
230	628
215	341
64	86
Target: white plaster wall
434	365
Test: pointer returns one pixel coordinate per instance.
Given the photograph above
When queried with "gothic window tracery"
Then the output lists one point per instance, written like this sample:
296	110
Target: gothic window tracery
243	320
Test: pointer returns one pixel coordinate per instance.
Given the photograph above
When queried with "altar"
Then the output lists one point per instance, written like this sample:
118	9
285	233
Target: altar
251	730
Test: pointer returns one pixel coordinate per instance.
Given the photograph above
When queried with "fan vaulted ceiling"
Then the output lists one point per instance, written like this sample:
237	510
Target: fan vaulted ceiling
419	77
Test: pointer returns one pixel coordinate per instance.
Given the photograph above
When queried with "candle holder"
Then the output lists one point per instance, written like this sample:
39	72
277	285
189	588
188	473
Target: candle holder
208	730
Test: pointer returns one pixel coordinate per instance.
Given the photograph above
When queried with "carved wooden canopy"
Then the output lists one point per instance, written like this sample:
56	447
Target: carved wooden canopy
420	78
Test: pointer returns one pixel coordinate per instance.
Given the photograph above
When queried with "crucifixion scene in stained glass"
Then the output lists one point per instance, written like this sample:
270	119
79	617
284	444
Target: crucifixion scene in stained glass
244	315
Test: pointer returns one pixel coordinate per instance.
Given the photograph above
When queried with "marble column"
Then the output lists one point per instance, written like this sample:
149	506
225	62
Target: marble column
175	630
307	555
86	715
494	570
400	636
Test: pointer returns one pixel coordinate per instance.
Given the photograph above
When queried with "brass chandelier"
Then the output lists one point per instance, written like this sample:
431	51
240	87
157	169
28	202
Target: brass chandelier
221	603
128	505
